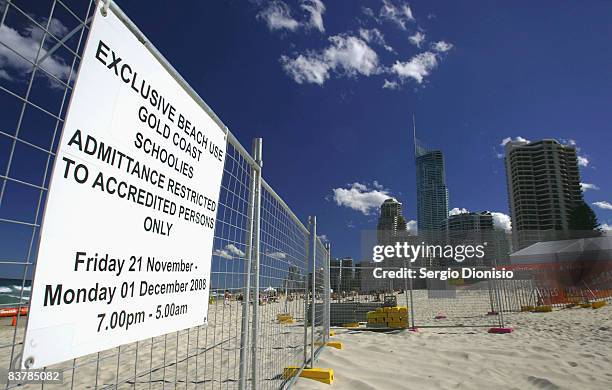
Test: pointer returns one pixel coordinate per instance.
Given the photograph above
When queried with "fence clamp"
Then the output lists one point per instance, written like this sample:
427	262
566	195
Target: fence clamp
104	10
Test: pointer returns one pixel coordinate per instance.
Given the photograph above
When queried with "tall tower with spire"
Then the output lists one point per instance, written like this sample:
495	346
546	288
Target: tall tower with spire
432	193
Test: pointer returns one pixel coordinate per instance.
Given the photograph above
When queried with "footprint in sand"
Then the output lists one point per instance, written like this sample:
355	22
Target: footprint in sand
542	383
573	364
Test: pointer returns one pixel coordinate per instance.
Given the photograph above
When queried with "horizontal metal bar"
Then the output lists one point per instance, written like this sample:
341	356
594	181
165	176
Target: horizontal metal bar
26	142
23	182
30	103
19	222
294	217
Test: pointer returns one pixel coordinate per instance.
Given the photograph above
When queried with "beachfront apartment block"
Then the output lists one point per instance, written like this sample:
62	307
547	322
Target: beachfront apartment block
543	187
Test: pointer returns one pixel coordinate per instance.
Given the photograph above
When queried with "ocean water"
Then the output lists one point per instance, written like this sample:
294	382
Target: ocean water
10	291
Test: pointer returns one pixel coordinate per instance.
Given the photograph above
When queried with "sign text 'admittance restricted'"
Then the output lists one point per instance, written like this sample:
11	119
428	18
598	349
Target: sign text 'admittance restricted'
126	241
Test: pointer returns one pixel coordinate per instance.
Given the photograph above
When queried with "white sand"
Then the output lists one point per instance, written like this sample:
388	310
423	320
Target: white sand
213	350
565	349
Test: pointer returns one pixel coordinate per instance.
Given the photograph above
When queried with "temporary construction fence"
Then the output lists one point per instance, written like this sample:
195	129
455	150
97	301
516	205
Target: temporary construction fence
545	281
431	302
549	286
270	273
560	273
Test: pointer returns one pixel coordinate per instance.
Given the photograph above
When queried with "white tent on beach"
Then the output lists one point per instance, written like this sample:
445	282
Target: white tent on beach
583	249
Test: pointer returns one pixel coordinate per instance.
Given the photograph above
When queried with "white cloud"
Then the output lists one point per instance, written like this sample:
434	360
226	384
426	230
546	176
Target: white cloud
391	84
277	255
516	139
412	228
27	45
417	38
570	142
603	205
588	186
361	198
441	46
368	11
5	76
457	210
309	68
501	221
605	227
323	238
417	68
234	250
315	8
352	55
230	252
376	185
373	35
56	28
583	161
277	16
399	14
346	55
223	253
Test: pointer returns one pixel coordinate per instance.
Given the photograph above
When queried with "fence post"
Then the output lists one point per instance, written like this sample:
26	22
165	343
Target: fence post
246	295
327	294
257	155
313	258
306	282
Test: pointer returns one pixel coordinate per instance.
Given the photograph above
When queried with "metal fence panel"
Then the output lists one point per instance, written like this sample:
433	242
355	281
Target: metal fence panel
430	303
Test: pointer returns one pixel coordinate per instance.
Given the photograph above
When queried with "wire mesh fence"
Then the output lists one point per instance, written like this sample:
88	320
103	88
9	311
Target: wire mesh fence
453	302
556	285
261	260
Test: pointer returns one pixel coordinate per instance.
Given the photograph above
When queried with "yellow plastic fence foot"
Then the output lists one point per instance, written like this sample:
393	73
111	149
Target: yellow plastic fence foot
332	333
351	325
334	344
597	305
543	309
323	375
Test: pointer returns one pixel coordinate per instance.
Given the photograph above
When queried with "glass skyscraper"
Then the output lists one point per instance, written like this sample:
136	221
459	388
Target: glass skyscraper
432	193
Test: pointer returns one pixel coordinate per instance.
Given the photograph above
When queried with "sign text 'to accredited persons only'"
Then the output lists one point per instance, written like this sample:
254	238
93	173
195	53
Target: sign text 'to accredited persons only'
127	235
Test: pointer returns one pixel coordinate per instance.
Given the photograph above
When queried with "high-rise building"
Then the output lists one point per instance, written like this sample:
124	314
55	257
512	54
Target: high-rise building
543	188
342	275
294	281
391	228
432	193
477	228
347	274
334	274
391	223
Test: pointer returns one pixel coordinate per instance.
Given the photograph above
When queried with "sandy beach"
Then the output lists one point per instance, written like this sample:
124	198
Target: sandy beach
564	349
201	357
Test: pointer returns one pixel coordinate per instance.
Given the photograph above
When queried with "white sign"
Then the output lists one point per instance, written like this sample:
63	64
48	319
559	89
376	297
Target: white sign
126	242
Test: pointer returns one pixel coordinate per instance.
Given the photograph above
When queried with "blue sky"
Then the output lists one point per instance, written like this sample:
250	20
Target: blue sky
332	87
